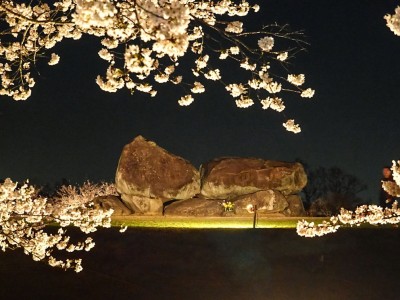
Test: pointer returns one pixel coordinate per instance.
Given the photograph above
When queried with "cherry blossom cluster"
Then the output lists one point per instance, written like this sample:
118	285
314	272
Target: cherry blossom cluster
30	32
144	42
393	21
371	214
396	171
24	216
85	193
393	187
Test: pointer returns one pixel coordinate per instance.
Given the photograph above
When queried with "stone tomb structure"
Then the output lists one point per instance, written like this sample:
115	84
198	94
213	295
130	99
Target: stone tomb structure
153	181
148	176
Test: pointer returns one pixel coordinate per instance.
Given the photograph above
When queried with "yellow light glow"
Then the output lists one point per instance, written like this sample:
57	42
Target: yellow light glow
204	222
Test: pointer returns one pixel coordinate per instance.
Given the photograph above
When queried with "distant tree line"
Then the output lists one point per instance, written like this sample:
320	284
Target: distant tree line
329	189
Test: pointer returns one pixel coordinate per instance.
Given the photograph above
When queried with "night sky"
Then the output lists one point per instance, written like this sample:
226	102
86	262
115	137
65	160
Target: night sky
71	129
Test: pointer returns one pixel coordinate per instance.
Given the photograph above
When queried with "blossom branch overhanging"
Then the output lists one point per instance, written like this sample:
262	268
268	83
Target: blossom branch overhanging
25	217
144	41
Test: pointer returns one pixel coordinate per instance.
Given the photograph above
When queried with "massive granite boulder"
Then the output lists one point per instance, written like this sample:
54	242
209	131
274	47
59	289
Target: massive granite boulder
226	178
144	205
296	207
195	207
268	202
111	201
148	171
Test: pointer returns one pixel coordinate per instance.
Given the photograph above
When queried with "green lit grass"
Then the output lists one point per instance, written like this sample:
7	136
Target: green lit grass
208	222
226	222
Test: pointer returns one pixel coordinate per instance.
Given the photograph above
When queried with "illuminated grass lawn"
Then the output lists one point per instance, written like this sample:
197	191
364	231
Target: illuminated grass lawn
208	222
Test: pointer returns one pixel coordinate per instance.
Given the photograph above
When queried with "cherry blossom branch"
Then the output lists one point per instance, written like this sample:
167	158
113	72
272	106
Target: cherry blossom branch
33	21
364	214
139	36
24	215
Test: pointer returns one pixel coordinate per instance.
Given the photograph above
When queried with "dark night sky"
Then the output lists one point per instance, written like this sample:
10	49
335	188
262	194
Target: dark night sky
71	129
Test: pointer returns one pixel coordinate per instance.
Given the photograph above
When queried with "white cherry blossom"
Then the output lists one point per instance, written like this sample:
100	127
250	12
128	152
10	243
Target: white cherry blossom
244	102
393	21
364	214
296	79
236	89
24	215
234	27
308	93
186	100
290	125
144	42
198	88
54	59
274	103
266	43
282	56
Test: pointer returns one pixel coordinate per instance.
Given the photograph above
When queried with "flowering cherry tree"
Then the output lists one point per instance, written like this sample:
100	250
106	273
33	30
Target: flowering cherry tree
393	188
371	214
25	216
393	21
85	193
145	41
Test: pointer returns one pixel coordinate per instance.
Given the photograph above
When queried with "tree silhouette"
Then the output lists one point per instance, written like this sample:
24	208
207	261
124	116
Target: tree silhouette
329	189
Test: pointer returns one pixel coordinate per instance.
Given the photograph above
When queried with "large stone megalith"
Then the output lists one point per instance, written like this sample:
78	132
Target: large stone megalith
147	176
225	178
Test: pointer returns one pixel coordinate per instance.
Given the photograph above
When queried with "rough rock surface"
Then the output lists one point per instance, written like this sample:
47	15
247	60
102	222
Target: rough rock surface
296	207
195	207
107	202
143	205
147	170
268	202
226	178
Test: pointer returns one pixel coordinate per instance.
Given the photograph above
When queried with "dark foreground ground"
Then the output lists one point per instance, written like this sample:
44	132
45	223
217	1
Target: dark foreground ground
217	264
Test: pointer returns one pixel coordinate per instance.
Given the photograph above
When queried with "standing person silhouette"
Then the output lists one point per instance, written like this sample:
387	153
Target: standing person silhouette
385	199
